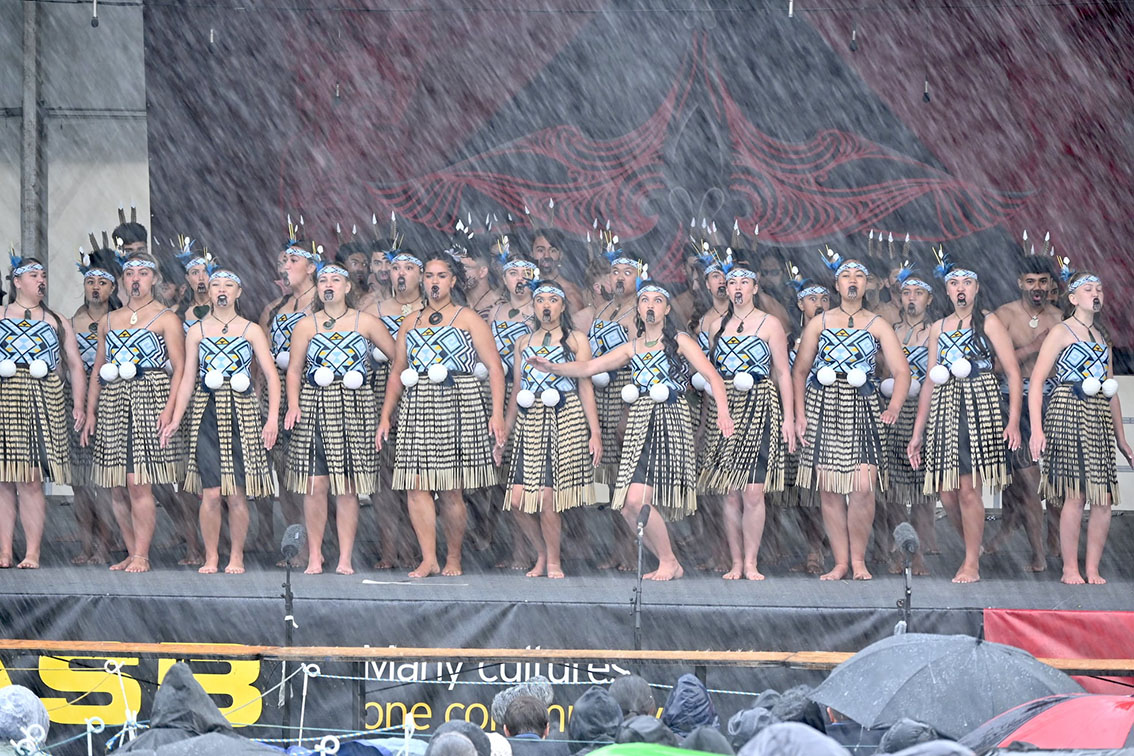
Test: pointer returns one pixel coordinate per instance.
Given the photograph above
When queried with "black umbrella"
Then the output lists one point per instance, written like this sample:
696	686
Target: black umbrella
952	682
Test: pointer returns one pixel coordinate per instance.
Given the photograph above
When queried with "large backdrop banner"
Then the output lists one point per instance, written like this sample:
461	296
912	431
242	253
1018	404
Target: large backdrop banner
962	127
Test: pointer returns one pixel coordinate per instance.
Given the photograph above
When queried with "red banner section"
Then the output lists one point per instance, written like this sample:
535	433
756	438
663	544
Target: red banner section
1068	635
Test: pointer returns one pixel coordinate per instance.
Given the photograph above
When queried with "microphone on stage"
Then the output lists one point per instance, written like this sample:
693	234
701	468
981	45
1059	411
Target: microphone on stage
906	538
643	516
293	539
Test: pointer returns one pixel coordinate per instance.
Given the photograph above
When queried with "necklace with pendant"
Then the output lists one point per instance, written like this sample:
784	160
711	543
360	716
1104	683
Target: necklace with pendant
134	313
435	317
27	312
226	322
1034	322
406	309
201	311
295	303
546	338
332	319
653	343
850	318
740	328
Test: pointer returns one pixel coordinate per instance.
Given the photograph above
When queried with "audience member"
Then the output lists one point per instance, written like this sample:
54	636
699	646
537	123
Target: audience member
747	724
451	743
20	712
707	740
689	706
595	721
634	695
646	729
791	739
905	733
475	735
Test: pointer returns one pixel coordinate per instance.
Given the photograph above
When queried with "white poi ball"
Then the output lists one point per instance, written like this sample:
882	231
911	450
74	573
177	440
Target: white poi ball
353	379
438	372
659	392
1091	386
698	381
601	380
961	368
480	371
525	398
324	376
887	387
1109	387
915	387
214	379
825	375
410	377
108	372
127	370
283	359
743	381
240	382
630	393
856	377
38	369
939	374
379	355
8	369
549	397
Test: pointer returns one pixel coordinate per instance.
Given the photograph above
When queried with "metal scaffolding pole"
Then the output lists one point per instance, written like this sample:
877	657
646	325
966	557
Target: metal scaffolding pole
33	176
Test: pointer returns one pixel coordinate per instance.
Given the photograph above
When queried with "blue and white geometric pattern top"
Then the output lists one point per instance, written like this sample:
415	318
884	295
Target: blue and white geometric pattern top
606	335
141	346
25	340
88	347
342	351
393	324
1081	360
844	349
538	381
440	345
648	368
703	341
505	333
228	355
918	359
748	354
280	330
953	345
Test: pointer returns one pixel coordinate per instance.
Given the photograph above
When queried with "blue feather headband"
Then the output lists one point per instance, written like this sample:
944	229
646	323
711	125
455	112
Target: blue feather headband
1066	273
225	274
645	286
330	269
834	261
946	270
394	256
546	288
91	271
18	266
907	277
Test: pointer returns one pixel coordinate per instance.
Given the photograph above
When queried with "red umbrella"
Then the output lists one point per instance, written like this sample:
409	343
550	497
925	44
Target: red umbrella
1079	720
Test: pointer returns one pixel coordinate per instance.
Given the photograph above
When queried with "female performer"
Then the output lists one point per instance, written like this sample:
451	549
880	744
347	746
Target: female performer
1082	422
837	414
228	441
442	415
129	404
332	417
33	434
657	465
558	441
746	345
959	420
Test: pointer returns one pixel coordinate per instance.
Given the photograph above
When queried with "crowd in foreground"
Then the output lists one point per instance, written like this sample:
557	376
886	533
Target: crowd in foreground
480	377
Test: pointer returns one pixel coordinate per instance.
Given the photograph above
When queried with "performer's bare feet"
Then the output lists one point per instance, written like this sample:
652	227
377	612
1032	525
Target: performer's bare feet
209	568
859	571
734	573
235	567
344	569
138	563
838	573
1072	577
1038	563
967	575
383	564
751	573
539	568
665	571
919	567
192	558
555	572
425	569
31	564
80	559
314	568
895	565
120	566
99	557
5	561
453	568
1095	578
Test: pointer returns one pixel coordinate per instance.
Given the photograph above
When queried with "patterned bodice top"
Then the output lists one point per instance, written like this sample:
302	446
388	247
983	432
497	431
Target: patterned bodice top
440	345
87	342
23	340
228	354
958	343
279	330
537	381
342	351
918	359
505	333
648	368
1083	359
393	324
143	347
844	349
605	335
738	353
703	341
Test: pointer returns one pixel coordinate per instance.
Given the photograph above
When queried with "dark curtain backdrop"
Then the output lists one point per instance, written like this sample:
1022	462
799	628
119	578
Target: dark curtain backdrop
649	114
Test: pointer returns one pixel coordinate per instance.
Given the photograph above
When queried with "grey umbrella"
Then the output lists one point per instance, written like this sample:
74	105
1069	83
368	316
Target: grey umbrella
952	682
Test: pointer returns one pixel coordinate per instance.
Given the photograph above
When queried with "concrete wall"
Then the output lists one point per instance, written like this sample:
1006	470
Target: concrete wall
94	95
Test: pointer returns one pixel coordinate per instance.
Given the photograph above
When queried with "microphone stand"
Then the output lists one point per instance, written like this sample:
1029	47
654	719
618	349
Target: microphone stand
289	626
636	597
904	603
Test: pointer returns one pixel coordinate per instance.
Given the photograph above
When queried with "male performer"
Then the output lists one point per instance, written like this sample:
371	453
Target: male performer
547	251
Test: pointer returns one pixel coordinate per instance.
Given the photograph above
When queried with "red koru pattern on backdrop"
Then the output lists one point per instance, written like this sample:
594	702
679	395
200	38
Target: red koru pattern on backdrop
1067	635
783	182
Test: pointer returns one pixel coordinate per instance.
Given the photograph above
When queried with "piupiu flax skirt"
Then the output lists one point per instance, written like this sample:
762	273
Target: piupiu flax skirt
334	437
1079	459
443	442
278	455
965	435
225	444
82	457
34	441
549	450
610	408
843	433
903	483
657	451
755	451
126	433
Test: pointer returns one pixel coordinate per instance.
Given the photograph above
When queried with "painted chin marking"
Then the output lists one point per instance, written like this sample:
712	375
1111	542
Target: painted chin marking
1097	304
818	311
852	291
962	300
43	289
435	291
96	296
201	288
520	287
1038	296
620	287
738	298
547	314
328	295
135	289
401	283
650	317
722	292
222	300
